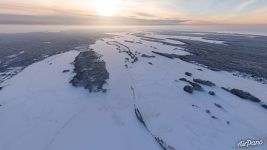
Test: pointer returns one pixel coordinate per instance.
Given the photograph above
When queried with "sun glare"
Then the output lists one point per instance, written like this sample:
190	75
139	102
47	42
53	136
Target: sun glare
106	7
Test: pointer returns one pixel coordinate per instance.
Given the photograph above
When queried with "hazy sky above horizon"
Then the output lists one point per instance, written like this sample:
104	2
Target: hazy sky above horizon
193	11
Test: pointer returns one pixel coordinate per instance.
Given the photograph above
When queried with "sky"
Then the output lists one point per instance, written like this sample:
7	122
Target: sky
134	11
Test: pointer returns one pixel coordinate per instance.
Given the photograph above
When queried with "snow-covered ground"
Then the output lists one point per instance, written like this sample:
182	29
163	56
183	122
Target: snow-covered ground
194	38
40	110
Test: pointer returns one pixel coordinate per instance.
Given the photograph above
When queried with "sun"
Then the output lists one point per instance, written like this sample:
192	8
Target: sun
106	7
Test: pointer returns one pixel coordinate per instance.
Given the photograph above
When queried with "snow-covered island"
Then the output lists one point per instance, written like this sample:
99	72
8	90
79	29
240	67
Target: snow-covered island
136	91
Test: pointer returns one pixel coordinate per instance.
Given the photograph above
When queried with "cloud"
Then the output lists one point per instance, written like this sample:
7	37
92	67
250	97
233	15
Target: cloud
142	14
244	5
136	11
82	20
256	17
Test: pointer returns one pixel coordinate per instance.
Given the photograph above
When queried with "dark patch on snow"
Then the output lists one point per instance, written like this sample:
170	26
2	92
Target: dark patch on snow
195	86
207	111
163	145
212	93
139	117
225	89
128	41
213	117
65	71
243	95
195	106
264	106
126	66
135	60
188	74
150	63
91	72
183	79
188	89
153	47
218	105
148	56
171	56
204	82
